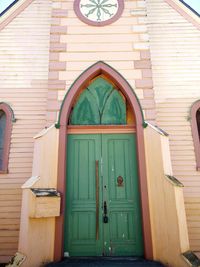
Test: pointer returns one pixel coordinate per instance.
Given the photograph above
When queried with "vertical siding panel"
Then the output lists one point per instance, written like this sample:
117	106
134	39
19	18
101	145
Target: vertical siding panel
24	55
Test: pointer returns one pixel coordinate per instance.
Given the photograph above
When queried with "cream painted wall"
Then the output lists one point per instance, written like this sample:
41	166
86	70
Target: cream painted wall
167	210
24	74
24	55
37	230
113	44
174	45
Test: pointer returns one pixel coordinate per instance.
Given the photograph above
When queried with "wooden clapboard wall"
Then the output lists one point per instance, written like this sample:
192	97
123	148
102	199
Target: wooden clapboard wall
124	45
175	55
47	36
24	56
47	25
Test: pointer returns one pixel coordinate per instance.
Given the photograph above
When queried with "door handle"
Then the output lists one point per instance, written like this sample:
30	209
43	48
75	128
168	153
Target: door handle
97	198
105	208
105	217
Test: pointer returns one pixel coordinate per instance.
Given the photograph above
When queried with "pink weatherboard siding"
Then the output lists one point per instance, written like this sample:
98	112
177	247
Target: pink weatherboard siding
36	87
184	13
15	13
24	86
174	43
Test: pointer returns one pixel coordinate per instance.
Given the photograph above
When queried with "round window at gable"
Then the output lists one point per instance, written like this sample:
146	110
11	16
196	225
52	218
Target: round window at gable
98	12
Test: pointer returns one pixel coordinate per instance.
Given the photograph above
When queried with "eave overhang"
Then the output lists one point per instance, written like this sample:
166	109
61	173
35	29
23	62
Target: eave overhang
13	12
186	12
178	5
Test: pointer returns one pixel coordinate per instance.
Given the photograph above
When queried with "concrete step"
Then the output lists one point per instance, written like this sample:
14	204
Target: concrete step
105	262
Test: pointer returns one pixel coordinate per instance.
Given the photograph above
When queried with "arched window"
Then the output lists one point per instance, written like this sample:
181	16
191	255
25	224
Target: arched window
198	121
195	123
6	119
99	104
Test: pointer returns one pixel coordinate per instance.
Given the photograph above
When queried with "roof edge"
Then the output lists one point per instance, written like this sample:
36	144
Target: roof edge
13	12
187	13
191	8
179	6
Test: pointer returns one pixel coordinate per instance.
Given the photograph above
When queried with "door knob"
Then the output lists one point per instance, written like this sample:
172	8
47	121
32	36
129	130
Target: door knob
120	181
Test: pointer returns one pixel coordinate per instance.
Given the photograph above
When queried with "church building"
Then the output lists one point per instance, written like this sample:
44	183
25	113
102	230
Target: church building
99	131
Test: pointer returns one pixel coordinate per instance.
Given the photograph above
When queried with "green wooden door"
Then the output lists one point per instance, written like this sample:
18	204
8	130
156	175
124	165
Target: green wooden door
119	234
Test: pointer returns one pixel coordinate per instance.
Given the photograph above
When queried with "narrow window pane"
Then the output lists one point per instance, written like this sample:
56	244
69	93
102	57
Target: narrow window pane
198	122
2	135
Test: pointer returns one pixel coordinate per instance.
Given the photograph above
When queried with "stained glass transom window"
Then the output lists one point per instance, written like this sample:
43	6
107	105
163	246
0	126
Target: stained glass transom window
99	104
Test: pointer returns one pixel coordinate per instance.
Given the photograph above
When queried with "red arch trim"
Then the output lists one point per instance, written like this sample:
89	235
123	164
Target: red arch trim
7	138
195	133
80	83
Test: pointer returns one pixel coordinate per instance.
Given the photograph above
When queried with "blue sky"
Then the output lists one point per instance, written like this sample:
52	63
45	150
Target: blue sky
4	4
195	4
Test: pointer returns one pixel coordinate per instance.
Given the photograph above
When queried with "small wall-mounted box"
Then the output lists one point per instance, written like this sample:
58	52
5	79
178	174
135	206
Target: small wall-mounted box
44	202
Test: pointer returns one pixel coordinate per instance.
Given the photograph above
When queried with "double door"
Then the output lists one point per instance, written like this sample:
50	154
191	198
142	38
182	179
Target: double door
102	196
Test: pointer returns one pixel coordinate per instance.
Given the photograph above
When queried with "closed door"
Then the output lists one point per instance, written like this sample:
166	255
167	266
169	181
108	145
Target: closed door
102	197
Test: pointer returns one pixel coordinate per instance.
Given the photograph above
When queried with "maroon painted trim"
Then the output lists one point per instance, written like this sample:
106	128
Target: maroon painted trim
93	23
81	82
195	134
7	136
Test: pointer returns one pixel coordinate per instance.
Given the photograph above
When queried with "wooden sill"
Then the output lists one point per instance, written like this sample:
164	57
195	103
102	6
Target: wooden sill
90	129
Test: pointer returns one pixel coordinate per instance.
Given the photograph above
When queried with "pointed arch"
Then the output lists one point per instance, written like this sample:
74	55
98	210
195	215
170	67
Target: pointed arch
80	83
99	104
6	119
195	127
90	73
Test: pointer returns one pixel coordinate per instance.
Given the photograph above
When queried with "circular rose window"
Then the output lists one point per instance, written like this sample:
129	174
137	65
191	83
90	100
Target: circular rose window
98	12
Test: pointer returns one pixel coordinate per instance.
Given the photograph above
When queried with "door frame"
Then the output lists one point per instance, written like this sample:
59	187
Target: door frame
93	71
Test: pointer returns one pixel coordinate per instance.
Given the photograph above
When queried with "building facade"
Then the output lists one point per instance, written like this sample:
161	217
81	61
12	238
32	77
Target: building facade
100	107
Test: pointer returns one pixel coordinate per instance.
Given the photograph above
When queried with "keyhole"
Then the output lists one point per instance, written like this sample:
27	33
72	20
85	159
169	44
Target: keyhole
120	181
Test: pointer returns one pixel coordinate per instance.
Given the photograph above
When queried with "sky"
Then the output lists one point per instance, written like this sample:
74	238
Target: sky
4	4
195	4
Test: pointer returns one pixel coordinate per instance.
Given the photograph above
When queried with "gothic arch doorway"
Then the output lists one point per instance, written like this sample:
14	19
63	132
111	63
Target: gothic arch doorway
69	114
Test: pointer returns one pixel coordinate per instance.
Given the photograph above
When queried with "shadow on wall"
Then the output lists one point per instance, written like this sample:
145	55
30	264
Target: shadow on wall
106	262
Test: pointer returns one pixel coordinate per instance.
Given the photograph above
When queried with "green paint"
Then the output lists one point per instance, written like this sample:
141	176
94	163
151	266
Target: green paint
100	103
122	235
57	125
115	110
101	89
80	238
86	111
